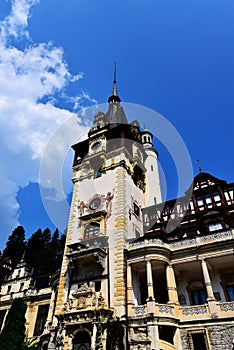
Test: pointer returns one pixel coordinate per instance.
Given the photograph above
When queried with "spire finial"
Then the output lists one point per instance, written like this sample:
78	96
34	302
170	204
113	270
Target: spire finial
114	97
114	92
199	166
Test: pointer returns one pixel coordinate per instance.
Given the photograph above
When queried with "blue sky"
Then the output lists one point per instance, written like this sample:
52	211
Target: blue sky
175	57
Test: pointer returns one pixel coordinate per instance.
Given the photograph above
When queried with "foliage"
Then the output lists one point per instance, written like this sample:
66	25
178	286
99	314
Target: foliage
13	333
29	344
15	246
42	249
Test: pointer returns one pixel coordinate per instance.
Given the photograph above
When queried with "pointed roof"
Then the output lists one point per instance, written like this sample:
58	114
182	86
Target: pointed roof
114	97
203	179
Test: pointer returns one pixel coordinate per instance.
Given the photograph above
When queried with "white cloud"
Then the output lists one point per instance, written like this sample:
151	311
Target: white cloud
26	76
16	23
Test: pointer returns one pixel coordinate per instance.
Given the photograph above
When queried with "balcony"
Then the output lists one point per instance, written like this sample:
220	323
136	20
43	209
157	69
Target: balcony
159	310
183	313
94	248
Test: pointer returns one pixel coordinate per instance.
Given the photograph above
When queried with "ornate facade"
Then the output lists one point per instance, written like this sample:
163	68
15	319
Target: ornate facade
167	267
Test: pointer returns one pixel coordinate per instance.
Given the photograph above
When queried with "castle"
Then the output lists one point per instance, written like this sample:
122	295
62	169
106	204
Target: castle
169	289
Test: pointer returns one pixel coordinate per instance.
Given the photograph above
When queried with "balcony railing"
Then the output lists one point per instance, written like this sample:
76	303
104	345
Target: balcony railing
161	310
174	311
193	312
201	240
226	309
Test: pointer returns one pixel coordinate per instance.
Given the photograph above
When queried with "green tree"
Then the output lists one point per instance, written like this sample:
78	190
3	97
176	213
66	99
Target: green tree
42	249
38	252
62	242
13	334
15	246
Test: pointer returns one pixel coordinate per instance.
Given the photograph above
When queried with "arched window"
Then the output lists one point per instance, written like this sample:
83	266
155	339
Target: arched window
92	230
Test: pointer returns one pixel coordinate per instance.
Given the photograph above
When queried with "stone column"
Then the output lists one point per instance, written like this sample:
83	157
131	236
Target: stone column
93	339
177	340
206	276
129	288
152	330
49	320
150	280
150	300
171	284
210	295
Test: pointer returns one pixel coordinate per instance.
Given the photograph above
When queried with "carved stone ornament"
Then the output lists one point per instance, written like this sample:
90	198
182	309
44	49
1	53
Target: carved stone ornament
84	289
86	297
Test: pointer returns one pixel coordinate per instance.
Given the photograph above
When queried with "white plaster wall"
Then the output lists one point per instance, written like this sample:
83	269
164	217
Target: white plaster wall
153	188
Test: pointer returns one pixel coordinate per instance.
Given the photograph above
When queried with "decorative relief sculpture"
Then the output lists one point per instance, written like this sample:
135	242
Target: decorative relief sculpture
96	203
108	199
84	297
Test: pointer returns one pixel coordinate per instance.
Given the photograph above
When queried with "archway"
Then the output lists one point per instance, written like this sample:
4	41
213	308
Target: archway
82	341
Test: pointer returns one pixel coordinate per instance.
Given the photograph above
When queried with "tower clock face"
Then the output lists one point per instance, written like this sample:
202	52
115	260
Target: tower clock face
95	145
95	203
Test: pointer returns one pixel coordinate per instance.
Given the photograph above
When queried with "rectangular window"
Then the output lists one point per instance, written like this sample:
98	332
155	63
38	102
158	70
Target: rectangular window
136	209
41	319
215	226
21	287
230	293
208	200
98	285
217	197
200	202
199	341
198	296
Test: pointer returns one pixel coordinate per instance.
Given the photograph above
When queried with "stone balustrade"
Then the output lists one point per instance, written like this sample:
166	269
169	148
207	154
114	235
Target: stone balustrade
182	312
198	241
226	309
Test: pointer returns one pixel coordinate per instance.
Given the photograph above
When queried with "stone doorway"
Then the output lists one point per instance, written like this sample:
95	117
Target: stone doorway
82	341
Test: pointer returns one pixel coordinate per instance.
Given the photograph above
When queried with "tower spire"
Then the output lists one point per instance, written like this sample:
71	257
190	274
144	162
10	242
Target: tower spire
114	91
199	166
114	97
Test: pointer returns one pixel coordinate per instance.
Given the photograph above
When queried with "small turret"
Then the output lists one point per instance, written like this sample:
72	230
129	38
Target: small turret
153	188
146	138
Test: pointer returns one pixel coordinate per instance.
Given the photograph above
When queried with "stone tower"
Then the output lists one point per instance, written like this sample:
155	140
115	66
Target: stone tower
110	181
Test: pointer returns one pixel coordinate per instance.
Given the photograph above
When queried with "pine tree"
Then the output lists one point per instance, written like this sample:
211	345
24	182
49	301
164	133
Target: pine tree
42	249
13	334
15	246
38	252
